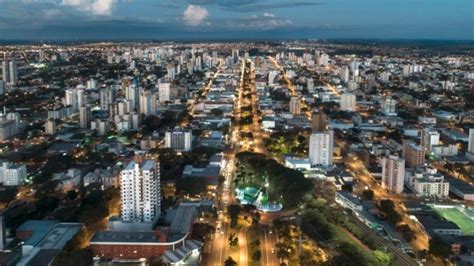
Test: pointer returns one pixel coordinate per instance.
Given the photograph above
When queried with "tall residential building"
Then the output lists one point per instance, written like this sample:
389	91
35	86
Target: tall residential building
2	87
344	74
8	127
271	77
70	98
470	147
295	105
178	140
50	127
140	191
132	93
2	233
85	117
413	154
319	121
321	148
164	92
148	103
107	97
388	106
393	173
348	102
429	138
13	72
12	174
310	84
5	72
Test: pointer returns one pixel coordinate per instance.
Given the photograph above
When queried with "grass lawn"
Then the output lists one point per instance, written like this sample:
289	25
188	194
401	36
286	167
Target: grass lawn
456	216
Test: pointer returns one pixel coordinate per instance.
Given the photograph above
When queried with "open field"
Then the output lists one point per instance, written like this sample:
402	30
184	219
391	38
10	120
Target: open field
458	217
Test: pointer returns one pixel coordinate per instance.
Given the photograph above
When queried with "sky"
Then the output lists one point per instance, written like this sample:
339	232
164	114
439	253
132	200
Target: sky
235	19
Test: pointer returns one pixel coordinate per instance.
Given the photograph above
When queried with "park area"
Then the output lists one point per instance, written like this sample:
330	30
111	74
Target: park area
457	215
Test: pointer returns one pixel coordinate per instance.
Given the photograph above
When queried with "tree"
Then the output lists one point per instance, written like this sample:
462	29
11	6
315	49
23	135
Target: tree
233	240
233	211
382	258
438	248
368	194
257	255
230	262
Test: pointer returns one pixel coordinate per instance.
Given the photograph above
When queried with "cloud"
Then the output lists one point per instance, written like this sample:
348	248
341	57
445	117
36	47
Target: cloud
266	21
254	5
94	7
195	15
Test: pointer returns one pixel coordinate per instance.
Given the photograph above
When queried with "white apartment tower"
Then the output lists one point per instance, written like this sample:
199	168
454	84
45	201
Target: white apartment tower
295	105
393	173
470	147
178	140
321	148
164	92
348	102
140	191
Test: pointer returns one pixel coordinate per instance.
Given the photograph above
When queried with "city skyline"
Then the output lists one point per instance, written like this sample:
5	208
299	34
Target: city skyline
43	20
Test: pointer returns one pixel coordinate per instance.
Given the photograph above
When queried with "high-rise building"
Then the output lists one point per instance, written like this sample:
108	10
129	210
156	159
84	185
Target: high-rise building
310	84
413	154
132	93
148	103
348	102
8	127
85	116
470	146
12	174
271	77
5	72
321	148
71	99
319	121
102	126
164	91
2	233
344	74
140	191
2	87
295	105
13	72
107	97
178	140
388	106
393	173
50	127
430	138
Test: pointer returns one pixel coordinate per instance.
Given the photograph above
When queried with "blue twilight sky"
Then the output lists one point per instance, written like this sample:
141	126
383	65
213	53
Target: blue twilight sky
234	19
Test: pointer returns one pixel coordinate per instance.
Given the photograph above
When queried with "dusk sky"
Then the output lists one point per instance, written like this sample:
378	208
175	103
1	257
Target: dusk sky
234	19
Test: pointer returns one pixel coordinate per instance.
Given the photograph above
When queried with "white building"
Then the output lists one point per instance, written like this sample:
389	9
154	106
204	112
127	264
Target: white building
140	192
85	116
107	97
12	174
271	77
389	106
148	103
393	173
348	102
50	127
470	147
430	138
427	182
70	98
178	140
344	74
321	148
164	92
102	126
295	105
